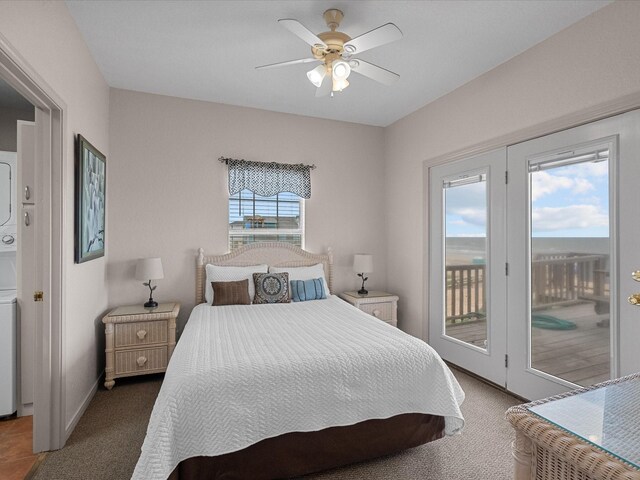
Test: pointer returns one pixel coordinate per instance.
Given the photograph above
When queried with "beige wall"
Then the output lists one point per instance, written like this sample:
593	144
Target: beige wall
593	61
167	193
46	36
9	126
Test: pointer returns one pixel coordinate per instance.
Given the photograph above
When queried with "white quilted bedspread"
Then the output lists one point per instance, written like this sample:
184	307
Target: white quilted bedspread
244	373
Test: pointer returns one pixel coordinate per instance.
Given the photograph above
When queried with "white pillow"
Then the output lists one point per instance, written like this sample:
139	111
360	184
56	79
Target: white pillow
304	273
218	273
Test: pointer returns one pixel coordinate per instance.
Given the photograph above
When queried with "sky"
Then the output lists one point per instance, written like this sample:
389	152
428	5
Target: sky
570	201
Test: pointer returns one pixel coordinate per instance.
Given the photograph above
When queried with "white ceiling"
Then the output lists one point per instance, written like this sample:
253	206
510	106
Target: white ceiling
207	50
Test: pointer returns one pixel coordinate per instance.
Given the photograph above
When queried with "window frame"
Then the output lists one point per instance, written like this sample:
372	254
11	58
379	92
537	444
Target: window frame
274	232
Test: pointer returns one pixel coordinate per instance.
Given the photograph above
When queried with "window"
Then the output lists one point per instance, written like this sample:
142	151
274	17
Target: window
253	218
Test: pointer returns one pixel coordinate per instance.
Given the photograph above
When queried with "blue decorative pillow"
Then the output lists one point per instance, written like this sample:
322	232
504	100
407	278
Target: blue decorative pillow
271	288
303	290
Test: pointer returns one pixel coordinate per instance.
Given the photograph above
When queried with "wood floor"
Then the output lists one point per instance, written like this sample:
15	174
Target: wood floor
580	356
16	448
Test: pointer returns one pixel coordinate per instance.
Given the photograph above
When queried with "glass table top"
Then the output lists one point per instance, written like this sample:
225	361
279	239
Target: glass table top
607	417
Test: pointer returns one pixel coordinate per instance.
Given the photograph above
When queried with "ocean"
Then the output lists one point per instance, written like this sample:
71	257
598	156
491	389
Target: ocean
463	250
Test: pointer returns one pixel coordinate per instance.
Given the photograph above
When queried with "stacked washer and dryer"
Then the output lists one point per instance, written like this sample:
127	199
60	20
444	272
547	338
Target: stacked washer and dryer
8	282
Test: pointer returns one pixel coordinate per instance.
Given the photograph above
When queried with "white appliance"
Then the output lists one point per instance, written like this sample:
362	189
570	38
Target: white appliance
8	312
8	205
8	332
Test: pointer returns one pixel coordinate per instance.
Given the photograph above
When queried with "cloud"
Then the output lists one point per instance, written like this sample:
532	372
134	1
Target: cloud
565	218
591	169
582	185
474	216
543	183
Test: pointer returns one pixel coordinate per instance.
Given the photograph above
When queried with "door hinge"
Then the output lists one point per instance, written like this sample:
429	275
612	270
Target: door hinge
506	268
506	176
506	361
38	296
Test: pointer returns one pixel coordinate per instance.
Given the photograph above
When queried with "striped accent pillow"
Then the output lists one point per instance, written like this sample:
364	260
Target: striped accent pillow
303	290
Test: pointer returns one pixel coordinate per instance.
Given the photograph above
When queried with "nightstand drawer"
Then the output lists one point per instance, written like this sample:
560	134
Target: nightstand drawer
140	333
133	361
382	311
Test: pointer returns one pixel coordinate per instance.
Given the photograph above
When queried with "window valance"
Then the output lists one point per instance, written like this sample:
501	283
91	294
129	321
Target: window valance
268	179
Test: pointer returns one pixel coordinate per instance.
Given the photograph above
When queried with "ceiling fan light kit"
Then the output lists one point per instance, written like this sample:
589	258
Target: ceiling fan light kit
334	49
316	75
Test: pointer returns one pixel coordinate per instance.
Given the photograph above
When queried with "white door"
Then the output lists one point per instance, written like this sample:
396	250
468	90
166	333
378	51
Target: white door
573	226
26	263
467	303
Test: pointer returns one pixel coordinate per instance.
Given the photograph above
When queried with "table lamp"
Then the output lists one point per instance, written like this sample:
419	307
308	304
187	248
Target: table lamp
363	263
149	269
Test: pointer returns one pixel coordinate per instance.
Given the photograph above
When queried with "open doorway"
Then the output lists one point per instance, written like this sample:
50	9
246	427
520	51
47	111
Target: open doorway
17	343
39	209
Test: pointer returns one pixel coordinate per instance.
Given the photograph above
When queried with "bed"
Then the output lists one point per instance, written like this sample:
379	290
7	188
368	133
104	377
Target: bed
283	390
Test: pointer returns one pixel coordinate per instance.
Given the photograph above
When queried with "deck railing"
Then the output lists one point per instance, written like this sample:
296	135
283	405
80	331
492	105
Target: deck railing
465	292
557	279
568	278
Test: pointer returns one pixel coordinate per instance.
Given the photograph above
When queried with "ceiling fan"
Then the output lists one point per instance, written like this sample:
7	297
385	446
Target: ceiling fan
334	50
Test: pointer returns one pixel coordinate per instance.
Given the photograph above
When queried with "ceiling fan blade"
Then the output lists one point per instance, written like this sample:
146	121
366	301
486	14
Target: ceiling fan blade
374	72
301	31
284	64
325	88
387	33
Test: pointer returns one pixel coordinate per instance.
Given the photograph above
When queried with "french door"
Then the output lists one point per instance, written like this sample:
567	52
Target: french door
467	264
550	254
572	228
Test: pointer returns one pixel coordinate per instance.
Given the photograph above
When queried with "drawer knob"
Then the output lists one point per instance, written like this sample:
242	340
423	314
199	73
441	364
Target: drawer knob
141	334
141	361
376	313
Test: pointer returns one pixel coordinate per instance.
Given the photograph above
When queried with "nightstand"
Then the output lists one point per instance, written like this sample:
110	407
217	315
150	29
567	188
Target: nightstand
381	305
139	340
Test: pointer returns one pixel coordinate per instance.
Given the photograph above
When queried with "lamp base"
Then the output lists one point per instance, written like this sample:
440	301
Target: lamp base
362	291
151	304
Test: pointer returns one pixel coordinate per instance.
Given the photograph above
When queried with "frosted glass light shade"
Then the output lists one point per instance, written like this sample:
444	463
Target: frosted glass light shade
339	85
340	70
363	263
316	75
149	269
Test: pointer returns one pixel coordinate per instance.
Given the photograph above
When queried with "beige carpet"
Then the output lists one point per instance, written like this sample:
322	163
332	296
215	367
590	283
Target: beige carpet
106	443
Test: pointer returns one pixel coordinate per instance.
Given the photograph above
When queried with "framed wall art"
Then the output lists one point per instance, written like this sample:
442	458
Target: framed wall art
91	182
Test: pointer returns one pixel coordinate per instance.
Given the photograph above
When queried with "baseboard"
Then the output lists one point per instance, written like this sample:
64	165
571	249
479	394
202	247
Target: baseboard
25	410
82	408
488	382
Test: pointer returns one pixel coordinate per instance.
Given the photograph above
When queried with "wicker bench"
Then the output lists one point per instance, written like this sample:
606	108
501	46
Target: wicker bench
543	451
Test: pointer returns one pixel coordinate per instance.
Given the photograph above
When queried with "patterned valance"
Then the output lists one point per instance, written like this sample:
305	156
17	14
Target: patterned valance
268	179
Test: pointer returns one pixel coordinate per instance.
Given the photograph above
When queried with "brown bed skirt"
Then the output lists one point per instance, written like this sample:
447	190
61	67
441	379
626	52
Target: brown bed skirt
299	453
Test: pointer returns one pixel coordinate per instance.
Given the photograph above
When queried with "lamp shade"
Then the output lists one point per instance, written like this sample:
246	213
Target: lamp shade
363	263
149	269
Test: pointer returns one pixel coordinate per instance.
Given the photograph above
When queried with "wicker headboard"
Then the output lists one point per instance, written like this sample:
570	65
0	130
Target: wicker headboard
275	254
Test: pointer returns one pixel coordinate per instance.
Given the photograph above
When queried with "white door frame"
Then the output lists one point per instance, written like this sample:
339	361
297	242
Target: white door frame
49	393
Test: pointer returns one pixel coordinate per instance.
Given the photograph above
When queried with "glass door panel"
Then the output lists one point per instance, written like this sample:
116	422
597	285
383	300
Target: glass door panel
570	265
465	237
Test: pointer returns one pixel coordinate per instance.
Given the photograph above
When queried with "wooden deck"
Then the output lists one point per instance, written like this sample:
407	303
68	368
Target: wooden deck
580	356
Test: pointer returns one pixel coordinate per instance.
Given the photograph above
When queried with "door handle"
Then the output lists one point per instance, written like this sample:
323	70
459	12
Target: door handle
634	299
27	192
27	219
